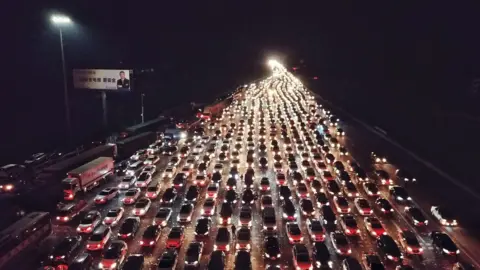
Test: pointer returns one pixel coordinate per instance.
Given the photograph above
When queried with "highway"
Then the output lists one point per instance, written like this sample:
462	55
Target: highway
281	100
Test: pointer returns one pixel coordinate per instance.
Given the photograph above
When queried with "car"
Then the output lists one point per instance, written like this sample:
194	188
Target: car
462	266
302	190
350	190
339	132
444	243
162	217
374	226
242	260
361	175
378	159
187	170
316	230
341	204
208	208
114	255
169	196
340	243
321	256
107	194
285	193
416	216
266	201
226	212
289	210
329	158
134	262
281	179
152	191
64	251
294	233
175	237
202	228
333	188
307	208
269	219
316	186
349	225
264	184
89	222
129	227
201	168
399	194
179	180
193	254
338	166
321	199
217	260
443	215
143	180
231	183
389	249
152	160
372	261
127	182
328	216
222	240
191	194
371	189
150	236
406	176
248	197
384	206
141	207
342	150
409	242
249	181
301	257
363	206
149	168
168	260
243	239
186	212
113	216
131	196
351	263
263	163
272	248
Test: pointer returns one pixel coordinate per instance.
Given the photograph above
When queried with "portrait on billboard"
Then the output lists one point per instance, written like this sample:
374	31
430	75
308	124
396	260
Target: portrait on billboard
123	82
102	79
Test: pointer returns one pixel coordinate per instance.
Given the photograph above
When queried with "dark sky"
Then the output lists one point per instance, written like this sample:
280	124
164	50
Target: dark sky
203	48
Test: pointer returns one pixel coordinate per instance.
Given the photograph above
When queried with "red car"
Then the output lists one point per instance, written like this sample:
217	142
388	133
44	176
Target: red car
316	230
294	233
281	179
327	176
374	226
349	225
175	237
341	204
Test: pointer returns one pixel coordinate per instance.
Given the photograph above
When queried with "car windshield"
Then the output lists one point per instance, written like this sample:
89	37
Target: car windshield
112	253
193	251
186	209
88	219
96	237
162	214
113	213
175	234
295	230
143	177
209	203
376	224
104	192
131	193
141	204
303	257
341	240
165	263
150	232
127	180
152	189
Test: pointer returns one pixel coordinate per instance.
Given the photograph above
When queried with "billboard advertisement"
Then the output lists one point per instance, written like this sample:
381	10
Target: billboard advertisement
102	79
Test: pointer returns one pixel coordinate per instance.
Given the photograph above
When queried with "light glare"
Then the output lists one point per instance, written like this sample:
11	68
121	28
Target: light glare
60	19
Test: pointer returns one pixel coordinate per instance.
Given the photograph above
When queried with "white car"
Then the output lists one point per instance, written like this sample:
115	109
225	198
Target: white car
151	169
143	180
113	216
198	149
127	182
218	167
131	196
106	195
169	172
152	159
141	207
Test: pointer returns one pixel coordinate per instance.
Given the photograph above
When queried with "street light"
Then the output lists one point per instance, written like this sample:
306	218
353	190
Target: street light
143	116
62	20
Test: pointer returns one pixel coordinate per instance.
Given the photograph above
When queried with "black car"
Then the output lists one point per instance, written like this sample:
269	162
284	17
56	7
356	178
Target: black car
134	262
168	260
329	157
203	227
231	183
333	188
416	216
226	213
444	243
191	195
307	207
248	197
321	255
285	193
231	196
351	263
216	177
316	186
179	180
399	194
129	227
263	162
329	218
389	248
272	248
289	210
248	179
242	260
65	250
217	260
82	262
193	254
339	167
150	236
405	176
344	177
361	174
168	196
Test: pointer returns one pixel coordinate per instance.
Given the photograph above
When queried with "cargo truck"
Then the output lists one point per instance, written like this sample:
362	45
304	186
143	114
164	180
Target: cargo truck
87	176
130	145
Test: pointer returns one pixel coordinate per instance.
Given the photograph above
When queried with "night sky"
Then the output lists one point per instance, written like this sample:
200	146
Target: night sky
199	49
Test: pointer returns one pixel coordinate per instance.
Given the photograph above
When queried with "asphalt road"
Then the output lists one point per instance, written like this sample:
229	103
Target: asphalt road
429	190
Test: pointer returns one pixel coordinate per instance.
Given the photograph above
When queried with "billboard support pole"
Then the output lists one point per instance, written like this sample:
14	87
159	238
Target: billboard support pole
104	108
143	116
65	89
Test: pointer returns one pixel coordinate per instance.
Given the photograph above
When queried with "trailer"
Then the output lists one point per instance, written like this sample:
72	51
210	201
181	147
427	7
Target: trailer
130	145
87	176
152	125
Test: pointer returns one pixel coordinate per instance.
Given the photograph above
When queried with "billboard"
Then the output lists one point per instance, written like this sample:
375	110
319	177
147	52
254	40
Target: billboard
102	79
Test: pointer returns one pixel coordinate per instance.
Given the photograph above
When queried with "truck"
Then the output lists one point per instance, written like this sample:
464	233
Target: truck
130	145
87	176
152	125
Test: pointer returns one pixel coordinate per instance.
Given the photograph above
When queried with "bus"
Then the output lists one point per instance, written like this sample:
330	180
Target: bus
23	235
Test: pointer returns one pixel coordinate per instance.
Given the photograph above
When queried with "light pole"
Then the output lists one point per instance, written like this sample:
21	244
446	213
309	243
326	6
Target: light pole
143	116
61	20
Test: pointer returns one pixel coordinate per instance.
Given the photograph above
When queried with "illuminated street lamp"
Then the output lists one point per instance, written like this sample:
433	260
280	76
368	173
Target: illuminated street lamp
60	21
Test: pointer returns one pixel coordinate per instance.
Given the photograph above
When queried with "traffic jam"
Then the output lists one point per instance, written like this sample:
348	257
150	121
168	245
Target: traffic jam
267	184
